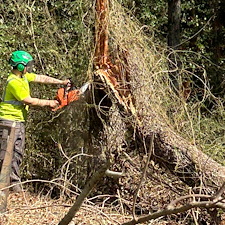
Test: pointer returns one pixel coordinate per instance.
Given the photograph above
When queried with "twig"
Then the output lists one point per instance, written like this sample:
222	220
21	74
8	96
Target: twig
39	180
61	149
101	196
218	194
67	164
199	31
194	217
41	207
120	201
113	174
173	203
143	176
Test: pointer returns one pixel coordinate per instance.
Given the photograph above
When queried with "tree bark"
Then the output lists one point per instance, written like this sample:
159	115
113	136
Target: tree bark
174	17
174	21
187	161
171	150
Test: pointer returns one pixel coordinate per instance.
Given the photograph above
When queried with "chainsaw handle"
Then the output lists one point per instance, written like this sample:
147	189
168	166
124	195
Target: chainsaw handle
70	82
67	87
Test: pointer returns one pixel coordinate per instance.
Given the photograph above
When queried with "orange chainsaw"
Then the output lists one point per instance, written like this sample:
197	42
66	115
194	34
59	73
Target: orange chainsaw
69	94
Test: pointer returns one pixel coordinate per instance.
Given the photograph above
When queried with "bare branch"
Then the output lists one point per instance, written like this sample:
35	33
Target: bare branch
173	203
184	208
87	189
218	194
113	174
143	175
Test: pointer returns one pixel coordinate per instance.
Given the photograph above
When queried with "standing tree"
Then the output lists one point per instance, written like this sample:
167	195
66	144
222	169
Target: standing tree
174	21
174	30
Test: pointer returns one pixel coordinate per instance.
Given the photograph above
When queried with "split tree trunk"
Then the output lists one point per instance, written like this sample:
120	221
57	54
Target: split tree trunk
171	150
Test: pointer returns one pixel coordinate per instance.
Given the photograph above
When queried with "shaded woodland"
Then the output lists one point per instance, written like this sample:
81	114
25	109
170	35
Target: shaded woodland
154	115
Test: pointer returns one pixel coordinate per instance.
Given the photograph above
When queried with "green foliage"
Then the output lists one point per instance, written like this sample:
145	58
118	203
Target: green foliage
52	32
58	34
202	31
150	13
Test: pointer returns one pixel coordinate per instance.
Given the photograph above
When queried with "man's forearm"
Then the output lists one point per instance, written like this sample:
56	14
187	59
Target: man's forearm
36	102
48	80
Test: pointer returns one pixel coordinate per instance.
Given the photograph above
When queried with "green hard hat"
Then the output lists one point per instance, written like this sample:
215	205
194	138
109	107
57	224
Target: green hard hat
20	57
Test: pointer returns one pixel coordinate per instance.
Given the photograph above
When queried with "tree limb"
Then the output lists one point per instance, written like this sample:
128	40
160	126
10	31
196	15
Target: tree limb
87	189
184	208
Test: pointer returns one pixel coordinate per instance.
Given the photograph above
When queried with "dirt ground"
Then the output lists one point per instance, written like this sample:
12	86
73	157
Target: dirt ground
27	209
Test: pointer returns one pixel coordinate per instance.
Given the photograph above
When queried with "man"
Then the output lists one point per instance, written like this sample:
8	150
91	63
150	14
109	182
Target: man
14	107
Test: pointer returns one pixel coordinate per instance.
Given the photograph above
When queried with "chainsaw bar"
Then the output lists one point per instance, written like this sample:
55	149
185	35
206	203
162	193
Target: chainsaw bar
84	88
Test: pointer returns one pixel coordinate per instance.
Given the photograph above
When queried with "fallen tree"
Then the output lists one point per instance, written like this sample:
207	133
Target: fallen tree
134	101
138	84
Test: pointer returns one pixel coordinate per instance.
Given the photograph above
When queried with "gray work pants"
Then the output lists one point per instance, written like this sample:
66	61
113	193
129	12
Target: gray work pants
18	150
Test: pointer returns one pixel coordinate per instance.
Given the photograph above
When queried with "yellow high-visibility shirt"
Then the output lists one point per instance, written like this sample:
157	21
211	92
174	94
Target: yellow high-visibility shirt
16	90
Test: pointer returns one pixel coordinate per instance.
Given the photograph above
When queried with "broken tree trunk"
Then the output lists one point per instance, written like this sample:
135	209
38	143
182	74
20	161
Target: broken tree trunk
102	36
171	150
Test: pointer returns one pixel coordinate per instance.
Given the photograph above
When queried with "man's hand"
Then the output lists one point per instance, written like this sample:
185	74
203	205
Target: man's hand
67	81
53	103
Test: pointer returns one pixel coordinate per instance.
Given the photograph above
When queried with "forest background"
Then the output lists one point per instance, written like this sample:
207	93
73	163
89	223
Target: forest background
61	37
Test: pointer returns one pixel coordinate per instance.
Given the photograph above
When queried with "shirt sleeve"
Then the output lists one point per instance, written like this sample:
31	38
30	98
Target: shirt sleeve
30	76
18	90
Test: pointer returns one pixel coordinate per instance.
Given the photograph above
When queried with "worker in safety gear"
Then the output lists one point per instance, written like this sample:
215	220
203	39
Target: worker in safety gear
14	107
